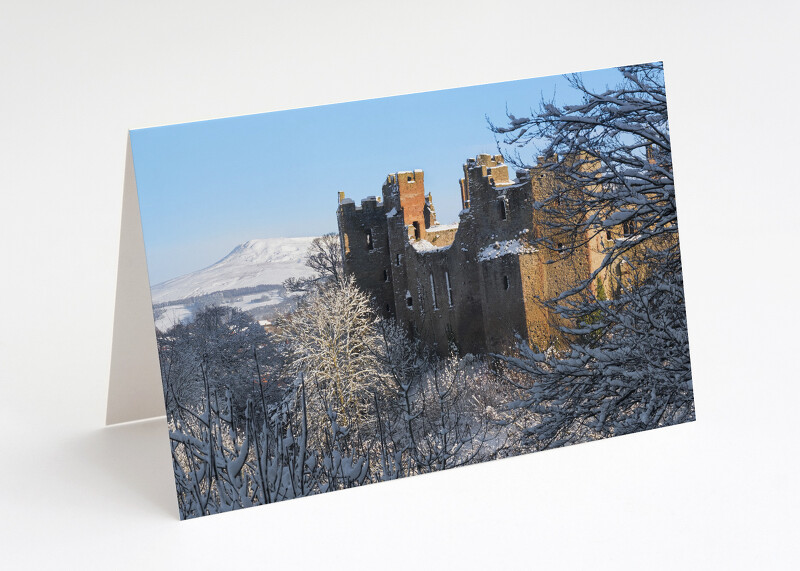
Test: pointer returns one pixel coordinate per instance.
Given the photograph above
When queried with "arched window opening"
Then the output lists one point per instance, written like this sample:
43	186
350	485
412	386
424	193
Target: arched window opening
370	245
503	209
506	283
417	233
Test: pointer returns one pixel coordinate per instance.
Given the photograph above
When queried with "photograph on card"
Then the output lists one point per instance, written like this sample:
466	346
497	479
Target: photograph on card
364	291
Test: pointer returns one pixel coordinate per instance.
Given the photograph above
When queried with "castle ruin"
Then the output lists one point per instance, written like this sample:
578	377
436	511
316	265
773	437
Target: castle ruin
478	283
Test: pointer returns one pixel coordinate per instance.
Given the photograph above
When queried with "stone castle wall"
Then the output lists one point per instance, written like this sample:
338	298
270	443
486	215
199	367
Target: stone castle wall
477	284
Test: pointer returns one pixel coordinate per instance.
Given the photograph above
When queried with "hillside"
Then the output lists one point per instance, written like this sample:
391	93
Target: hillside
260	266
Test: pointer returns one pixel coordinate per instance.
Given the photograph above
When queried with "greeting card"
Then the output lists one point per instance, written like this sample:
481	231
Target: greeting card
348	294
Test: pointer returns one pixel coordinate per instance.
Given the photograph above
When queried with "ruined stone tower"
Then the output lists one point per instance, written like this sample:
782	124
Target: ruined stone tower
479	283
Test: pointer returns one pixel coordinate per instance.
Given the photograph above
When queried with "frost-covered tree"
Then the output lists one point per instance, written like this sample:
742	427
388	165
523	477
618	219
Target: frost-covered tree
330	339
363	404
435	413
452	430
610	158
225	348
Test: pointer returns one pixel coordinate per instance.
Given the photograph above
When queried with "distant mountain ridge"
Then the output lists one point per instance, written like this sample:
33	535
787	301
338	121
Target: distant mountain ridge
267	261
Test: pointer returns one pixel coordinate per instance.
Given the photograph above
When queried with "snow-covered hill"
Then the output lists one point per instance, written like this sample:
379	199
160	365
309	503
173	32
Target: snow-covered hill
262	265
268	261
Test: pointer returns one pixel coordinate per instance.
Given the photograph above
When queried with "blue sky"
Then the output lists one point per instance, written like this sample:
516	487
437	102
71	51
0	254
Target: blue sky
206	187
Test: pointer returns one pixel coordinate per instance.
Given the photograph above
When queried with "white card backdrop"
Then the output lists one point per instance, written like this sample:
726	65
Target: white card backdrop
75	76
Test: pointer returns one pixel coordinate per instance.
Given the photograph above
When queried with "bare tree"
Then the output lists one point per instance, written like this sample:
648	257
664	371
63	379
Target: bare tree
610	159
226	348
366	405
324	256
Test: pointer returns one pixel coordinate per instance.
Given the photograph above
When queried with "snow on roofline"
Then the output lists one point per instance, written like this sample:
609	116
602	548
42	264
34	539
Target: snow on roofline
504	248
443	227
425	247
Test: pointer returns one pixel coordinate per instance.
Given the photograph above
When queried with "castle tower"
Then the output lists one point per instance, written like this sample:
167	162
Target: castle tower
364	241
476	169
404	192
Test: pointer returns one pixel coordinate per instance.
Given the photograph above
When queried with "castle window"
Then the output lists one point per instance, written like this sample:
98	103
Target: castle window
433	294
506	283
388	309
398	258
409	301
560	247
608	235
417	233
627	229
408	178
386	275
449	289
370	245
503	209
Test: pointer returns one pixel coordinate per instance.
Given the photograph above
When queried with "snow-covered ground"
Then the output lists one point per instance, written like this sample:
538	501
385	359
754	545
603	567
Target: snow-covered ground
260	264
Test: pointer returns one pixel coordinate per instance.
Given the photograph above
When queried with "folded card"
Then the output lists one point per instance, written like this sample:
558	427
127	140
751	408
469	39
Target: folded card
354	293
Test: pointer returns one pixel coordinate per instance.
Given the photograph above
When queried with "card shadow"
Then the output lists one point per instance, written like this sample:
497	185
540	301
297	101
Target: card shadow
135	459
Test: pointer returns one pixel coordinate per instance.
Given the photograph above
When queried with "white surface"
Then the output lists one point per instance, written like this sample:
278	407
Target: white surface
720	493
